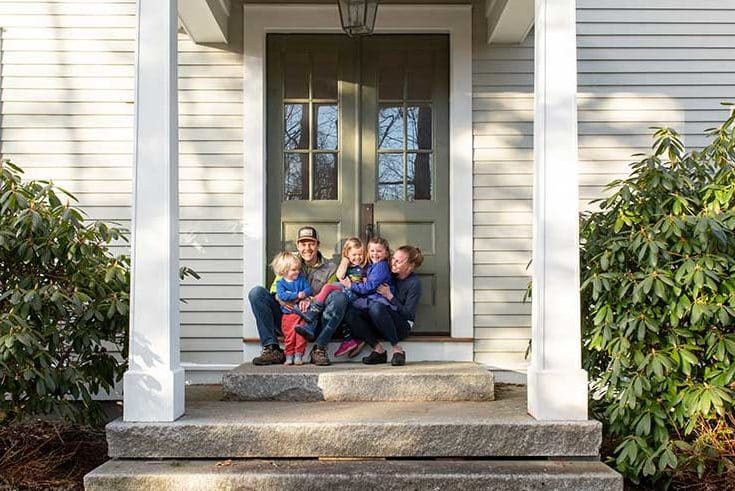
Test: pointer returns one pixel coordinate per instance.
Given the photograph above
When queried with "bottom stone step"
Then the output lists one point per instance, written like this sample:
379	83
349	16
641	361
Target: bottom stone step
278	475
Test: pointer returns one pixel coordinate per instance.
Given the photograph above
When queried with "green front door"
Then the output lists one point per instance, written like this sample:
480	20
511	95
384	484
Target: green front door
358	144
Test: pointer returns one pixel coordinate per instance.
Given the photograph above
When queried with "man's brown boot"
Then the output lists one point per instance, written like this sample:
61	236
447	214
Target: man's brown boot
319	356
270	355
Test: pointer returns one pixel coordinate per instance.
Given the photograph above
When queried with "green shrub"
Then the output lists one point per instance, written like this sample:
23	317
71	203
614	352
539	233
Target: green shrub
658	296
63	302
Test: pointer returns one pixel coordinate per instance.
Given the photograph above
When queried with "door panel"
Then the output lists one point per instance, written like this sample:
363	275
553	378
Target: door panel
363	122
312	99
405	156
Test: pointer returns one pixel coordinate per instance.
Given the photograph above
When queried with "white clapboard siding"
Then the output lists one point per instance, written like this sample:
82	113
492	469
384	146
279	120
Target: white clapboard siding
67	90
642	63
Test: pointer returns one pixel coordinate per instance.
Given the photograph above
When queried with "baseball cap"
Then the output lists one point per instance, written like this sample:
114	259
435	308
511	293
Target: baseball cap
307	233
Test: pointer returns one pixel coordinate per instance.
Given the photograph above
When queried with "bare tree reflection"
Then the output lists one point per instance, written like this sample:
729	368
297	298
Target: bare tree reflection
325	176
419	164
327	124
390	127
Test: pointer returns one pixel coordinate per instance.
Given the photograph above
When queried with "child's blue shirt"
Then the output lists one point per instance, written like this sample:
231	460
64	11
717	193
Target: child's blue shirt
288	291
377	274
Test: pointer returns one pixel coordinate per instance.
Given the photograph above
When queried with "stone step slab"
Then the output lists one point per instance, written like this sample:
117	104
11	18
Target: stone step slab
219	429
425	381
263	475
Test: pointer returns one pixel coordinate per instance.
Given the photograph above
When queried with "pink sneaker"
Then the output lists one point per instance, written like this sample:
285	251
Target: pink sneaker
356	350
345	347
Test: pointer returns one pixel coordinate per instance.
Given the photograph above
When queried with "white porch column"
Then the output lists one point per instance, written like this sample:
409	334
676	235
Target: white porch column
557	385
154	383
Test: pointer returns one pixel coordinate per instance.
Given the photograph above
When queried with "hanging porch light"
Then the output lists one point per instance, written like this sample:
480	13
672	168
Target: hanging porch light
358	16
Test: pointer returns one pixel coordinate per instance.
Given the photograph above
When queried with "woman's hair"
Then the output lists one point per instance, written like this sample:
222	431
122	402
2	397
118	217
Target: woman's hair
383	242
353	243
415	257
283	261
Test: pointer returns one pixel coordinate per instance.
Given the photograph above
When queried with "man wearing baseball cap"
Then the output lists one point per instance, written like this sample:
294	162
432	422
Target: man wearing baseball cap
267	311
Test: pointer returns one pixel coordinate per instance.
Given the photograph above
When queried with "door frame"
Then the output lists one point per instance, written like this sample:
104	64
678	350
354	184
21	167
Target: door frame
455	20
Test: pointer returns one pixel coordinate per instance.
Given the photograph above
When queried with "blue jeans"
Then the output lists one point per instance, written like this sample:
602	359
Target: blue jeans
267	314
334	311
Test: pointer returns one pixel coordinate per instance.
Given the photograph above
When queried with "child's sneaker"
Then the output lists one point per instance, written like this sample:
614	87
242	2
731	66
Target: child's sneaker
346	347
289	360
356	350
298	359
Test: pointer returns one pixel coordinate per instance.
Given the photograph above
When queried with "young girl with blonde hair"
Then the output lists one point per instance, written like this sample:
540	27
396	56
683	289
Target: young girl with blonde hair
351	266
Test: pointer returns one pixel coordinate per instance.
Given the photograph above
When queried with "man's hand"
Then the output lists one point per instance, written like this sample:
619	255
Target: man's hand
304	304
384	290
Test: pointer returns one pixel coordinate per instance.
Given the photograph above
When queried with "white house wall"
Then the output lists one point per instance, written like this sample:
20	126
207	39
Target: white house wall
67	103
67	115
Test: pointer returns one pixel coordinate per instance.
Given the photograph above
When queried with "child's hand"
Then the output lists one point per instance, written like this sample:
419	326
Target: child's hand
346	282
384	290
301	295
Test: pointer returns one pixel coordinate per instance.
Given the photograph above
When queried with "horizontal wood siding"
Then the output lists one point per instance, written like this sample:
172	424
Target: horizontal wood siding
642	63
67	91
502	117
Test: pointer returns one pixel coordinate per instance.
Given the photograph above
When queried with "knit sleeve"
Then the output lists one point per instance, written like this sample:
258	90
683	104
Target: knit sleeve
304	286
408	298
378	274
283	293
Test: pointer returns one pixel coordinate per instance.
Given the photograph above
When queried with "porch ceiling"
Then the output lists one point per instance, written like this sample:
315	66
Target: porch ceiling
508	21
205	20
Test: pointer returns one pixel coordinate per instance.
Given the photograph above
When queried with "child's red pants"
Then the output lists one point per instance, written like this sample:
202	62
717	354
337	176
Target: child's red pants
295	343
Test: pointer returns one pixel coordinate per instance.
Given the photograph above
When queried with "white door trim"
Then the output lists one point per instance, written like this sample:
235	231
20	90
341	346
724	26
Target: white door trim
454	20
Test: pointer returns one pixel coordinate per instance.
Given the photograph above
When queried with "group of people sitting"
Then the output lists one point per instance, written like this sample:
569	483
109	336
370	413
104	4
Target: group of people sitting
372	294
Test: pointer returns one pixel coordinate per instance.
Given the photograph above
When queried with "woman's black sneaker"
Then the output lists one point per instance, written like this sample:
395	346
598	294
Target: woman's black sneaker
399	359
375	358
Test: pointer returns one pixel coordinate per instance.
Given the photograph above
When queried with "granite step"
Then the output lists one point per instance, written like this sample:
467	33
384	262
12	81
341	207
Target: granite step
264	475
423	381
258	429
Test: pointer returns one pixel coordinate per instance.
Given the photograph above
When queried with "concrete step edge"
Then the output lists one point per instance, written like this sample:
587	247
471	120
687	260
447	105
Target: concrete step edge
351	474
419	382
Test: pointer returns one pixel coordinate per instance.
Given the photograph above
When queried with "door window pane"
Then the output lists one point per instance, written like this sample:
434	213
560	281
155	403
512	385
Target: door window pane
419	74
419	180
418	127
327	123
296	75
296	176
390	127
324	76
325	176
390	176
390	75
295	126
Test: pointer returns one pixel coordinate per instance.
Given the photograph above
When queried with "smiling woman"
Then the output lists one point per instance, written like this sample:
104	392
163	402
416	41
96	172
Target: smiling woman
394	319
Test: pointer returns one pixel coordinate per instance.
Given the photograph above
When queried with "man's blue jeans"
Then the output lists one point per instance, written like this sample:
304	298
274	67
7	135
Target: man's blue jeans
267	314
